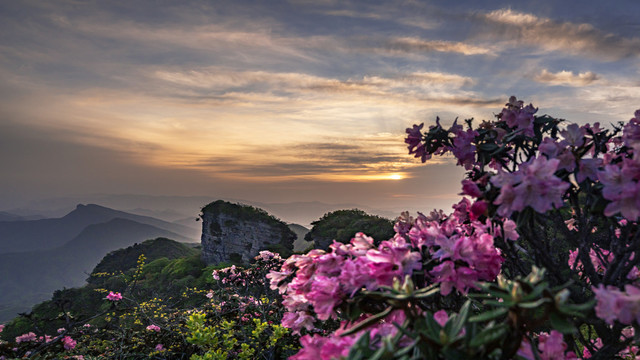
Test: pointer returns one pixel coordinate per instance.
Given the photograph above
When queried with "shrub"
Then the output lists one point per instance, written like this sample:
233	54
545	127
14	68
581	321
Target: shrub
547	228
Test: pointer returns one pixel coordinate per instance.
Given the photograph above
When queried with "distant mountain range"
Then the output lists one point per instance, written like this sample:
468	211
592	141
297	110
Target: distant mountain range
32	235
40	256
182	209
5	216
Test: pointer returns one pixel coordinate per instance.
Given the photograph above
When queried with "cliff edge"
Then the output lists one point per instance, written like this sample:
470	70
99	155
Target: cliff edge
236	233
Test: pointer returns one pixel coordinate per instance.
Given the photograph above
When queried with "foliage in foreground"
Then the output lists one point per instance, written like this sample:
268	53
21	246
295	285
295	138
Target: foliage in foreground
153	311
471	285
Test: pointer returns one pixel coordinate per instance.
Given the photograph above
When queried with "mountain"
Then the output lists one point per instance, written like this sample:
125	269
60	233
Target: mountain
170	268
5	216
300	244
33	235
167	207
30	277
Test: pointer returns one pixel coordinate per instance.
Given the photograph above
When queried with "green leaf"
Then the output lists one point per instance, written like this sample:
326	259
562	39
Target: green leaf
458	320
488	335
489	315
561	324
368	321
534	304
536	291
581	307
506	303
426	294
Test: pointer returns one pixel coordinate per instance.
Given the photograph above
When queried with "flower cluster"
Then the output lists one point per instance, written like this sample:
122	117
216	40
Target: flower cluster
324	280
153	327
338	344
620	175
460	252
464	248
68	343
533	184
28	337
535	189
114	296
613	304
550	347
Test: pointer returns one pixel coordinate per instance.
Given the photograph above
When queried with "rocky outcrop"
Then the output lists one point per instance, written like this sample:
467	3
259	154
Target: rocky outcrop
237	233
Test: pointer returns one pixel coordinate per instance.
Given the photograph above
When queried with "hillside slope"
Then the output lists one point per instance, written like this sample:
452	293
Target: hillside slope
29	277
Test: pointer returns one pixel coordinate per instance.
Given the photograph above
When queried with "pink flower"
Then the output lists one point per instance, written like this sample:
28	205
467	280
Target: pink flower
355	275
277	278
311	347
463	148
550	347
266	255
608	306
153	327
414	141
478	209
629	305
450	276
1	327
518	117
325	294
392	259
534	185
441	317
574	135
470	188
159	347
28	337
68	343
114	296
298	320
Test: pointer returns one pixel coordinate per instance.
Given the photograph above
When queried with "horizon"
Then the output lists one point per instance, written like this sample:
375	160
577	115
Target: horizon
290	101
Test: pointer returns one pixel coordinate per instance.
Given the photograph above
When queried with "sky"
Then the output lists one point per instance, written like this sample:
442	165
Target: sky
281	101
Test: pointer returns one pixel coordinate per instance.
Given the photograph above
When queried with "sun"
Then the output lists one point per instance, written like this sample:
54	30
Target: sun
396	177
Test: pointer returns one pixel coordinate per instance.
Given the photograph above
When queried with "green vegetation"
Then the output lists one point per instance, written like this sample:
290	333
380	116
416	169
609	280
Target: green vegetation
152	249
164	309
239	211
166	276
342	225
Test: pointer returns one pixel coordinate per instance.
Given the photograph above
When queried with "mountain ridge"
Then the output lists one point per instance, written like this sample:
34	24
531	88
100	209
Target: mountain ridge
32	235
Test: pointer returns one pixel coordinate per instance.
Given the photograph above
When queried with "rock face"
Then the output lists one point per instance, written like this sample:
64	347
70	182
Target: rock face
237	233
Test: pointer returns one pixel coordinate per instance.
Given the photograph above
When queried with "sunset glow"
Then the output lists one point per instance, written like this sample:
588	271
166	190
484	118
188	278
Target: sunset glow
284	101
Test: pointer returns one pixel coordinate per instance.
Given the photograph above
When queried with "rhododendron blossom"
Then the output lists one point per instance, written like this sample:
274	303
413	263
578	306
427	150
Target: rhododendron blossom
68	343
550	347
114	296
30	336
534	185
534	188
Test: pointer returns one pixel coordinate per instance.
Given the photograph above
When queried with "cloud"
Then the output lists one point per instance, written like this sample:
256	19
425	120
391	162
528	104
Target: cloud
405	45
574	38
419	87
566	78
338	159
